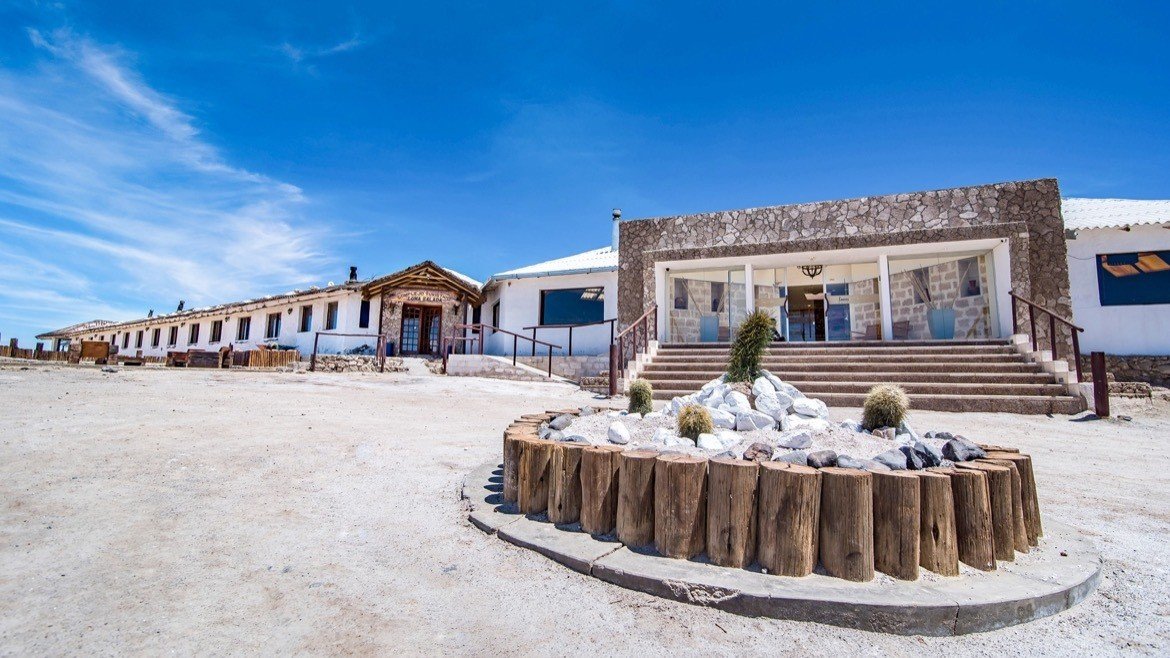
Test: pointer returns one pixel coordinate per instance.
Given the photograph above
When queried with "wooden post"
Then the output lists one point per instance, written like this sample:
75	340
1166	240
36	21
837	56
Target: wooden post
938	546
1019	527
846	523
564	493
680	505
511	465
972	518
533	479
896	518
999	488
731	511
635	508
788	517
1028	491
599	489
1100	383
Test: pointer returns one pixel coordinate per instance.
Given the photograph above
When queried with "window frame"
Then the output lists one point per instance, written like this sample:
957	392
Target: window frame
193	334
332	311
269	334
305	323
243	329
364	314
600	301
156	337
138	337
173	336
216	334
1159	278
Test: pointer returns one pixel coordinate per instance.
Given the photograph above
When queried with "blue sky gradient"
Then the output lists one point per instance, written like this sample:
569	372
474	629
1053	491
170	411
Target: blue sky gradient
226	150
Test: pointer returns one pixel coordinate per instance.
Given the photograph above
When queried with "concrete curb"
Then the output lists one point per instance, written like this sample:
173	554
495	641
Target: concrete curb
1039	585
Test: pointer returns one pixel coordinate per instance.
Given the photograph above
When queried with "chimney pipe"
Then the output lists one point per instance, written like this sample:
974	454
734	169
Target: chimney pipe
181	302
150	313
617	222
353	273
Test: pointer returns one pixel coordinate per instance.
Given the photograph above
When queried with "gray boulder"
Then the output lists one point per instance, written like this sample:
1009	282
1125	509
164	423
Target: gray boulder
720	418
561	422
845	461
941	436
929	454
798	457
904	428
887	433
822	459
758	452
587	411
852	426
762	386
892	458
774	404
914	462
810	408
554	435
959	449
796	441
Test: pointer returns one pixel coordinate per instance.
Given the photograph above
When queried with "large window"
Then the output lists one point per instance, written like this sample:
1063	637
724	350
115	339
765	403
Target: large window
155	337
193	334
1134	278
138	339
243	328
306	319
272	329
330	316
572	306
173	337
364	314
216	331
126	340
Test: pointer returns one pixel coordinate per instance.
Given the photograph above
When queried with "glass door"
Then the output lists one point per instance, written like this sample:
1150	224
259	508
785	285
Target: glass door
706	306
806	303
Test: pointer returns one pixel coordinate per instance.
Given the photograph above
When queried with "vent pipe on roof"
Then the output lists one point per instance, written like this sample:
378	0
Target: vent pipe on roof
181	303
353	273
617	222
150	313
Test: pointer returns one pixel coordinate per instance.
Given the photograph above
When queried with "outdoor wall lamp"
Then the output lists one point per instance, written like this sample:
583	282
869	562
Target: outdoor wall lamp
811	271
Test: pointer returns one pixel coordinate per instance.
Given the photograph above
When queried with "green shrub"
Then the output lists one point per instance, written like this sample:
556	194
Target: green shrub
694	420
641	397
753	337
885	406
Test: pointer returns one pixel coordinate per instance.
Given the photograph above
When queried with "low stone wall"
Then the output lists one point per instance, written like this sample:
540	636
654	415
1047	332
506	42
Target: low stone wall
575	368
483	365
356	363
1151	369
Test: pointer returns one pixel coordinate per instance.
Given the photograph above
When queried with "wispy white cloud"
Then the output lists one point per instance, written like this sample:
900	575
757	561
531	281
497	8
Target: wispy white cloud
299	54
110	197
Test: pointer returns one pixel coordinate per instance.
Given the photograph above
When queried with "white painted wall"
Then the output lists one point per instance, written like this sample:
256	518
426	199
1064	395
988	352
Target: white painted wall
348	315
1126	330
520	307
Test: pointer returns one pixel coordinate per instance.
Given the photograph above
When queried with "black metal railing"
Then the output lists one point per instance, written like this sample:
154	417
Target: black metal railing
612	322
1100	379
479	335
630	342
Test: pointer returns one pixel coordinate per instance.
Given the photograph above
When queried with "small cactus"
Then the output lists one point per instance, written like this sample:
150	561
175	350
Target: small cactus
885	406
641	397
694	420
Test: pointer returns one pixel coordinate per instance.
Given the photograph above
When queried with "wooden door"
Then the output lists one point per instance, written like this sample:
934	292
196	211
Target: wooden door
422	327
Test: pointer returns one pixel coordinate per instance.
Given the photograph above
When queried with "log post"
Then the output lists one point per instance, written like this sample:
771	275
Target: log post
788	518
731	511
1027	491
564	491
511	465
999	488
972	518
846	523
635	507
599	489
896	518
680	505
1019	527
532	483
938	546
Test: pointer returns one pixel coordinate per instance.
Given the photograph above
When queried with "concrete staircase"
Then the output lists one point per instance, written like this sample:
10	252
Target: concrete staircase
974	375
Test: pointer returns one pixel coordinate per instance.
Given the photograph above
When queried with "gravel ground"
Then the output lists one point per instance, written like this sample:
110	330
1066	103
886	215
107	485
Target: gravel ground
203	512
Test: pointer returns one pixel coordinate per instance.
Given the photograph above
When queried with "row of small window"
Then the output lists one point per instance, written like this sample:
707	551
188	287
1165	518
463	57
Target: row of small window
244	327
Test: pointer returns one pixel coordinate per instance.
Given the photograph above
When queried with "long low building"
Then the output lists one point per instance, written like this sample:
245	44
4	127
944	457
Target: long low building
936	265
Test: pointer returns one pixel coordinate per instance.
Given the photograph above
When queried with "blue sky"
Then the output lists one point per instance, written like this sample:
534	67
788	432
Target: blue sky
223	150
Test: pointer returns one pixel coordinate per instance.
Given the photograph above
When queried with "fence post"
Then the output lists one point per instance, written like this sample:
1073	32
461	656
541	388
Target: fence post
1052	335
613	361
1077	354
534	341
1015	315
313	359
1032	320
514	339
570	340
1100	384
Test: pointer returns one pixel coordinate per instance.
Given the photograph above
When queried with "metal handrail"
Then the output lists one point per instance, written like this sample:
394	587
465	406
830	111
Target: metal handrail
618	358
515	340
1053	318
571	326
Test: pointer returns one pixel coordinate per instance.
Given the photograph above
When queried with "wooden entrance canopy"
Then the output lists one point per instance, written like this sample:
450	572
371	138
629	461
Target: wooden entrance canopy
425	275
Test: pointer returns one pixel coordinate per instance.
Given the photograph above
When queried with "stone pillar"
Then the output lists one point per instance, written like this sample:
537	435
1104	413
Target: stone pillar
884	297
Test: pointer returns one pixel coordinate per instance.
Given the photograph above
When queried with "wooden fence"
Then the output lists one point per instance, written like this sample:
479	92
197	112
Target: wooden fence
267	358
241	359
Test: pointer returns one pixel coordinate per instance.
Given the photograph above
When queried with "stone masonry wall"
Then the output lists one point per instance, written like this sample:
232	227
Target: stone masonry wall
1025	213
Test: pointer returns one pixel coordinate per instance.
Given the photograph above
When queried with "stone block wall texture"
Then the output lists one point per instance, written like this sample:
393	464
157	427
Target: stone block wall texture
574	367
1153	370
1025	213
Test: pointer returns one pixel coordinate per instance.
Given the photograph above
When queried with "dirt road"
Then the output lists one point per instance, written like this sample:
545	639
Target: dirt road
203	512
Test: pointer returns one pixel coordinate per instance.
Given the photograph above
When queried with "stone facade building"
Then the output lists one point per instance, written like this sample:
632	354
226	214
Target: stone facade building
936	264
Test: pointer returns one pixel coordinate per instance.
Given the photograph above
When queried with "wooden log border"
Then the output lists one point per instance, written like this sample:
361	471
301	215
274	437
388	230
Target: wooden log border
546	479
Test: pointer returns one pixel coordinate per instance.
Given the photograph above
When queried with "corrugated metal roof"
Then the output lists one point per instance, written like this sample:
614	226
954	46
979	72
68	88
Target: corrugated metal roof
597	260
1085	214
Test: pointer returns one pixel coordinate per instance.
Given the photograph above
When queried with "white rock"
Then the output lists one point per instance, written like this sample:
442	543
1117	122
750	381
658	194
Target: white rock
810	408
712	384
762	386
728	437
721	418
709	442
795	422
618	433
617	414
634	416
675	441
905	428
774	404
852	425
797	440
561	422
746	421
662	435
738	402
653	415
782	386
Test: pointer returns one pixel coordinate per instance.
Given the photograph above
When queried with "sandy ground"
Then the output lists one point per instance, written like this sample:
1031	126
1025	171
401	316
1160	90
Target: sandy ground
200	512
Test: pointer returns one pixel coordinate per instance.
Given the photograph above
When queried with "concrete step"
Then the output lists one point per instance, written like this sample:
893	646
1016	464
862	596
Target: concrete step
844	350
846	343
1019	404
913	388
850	358
704	376
783	369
